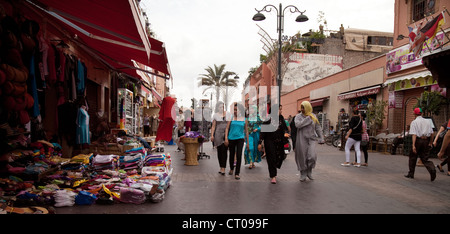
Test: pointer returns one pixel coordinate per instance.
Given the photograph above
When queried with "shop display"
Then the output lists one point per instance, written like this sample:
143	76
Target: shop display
38	176
125	109
49	87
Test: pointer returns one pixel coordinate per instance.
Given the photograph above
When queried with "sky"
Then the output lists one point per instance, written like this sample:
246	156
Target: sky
201	33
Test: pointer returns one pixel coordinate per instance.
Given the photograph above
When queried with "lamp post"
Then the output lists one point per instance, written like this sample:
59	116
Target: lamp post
280	14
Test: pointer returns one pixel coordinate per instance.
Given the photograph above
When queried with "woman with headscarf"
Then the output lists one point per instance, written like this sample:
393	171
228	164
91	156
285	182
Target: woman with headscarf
251	153
309	132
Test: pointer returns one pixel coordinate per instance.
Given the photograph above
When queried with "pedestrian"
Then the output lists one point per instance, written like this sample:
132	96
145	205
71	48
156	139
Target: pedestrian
444	148
364	140
421	131
353	138
235	136
146	123
274	142
309	132
180	130
399	140
188	120
252	154
219	125
437	144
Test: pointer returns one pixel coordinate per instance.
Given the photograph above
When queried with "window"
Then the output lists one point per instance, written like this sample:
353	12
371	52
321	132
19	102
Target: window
384	41
418	9
421	8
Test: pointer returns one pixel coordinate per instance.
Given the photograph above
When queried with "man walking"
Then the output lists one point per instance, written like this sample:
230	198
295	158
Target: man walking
421	131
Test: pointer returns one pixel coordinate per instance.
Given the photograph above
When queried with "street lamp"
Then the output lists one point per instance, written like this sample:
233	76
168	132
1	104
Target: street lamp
280	14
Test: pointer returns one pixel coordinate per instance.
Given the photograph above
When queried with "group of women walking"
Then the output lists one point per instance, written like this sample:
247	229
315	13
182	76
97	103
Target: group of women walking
231	131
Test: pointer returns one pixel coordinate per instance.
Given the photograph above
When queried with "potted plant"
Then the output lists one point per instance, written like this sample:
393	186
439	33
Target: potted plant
376	114
430	102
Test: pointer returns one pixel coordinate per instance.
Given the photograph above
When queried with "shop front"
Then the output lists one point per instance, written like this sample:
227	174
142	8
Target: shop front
361	98
57	91
408	78
404	92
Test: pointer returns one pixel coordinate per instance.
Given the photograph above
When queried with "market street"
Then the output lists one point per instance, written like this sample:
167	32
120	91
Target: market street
380	188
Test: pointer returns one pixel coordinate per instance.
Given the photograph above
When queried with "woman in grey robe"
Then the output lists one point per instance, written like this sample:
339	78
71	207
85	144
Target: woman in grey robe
309	132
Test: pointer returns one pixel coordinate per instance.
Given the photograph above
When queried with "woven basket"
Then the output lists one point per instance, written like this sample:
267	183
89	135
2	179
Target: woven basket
187	140
190	151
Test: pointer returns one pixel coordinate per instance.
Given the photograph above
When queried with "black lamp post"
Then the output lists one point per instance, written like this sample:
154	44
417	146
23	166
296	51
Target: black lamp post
280	14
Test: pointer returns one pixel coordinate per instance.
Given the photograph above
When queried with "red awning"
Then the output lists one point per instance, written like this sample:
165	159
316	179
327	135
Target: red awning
156	95
112	29
318	101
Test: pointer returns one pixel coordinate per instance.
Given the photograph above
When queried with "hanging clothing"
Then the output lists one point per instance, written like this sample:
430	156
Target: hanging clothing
165	128
33	89
51	57
69	74
80	78
83	127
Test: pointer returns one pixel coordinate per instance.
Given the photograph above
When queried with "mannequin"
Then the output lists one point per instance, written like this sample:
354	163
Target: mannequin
83	126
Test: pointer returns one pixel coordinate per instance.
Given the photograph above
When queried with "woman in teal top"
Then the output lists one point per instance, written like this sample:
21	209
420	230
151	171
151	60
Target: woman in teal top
235	135
251	153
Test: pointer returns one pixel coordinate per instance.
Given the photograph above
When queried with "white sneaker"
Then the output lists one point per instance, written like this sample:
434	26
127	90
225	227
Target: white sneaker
347	164
357	165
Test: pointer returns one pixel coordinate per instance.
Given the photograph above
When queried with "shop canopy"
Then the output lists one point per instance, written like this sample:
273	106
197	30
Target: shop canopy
318	101
112	29
359	92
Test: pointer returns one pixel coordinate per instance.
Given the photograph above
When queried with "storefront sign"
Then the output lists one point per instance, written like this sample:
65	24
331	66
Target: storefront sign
414	83
401	59
360	93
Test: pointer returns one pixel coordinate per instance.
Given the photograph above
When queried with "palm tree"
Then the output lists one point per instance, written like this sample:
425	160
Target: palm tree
216	78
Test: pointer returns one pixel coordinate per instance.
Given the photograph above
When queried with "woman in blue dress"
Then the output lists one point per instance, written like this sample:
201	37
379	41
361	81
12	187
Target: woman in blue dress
251	153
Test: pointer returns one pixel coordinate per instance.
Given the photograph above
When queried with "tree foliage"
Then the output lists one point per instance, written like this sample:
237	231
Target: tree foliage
431	102
216	78
376	114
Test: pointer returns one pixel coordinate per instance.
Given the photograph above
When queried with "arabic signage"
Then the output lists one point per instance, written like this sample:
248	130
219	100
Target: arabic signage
355	94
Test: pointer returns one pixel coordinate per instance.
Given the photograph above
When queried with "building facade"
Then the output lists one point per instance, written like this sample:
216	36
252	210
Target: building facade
407	78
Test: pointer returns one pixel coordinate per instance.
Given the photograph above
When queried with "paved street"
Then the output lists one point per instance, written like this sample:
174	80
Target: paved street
379	188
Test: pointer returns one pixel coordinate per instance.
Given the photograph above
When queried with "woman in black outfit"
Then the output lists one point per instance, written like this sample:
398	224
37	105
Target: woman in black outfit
274	146
353	138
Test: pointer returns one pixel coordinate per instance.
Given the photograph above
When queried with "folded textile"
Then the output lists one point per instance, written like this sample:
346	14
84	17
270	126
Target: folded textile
64	198
131	195
85	198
